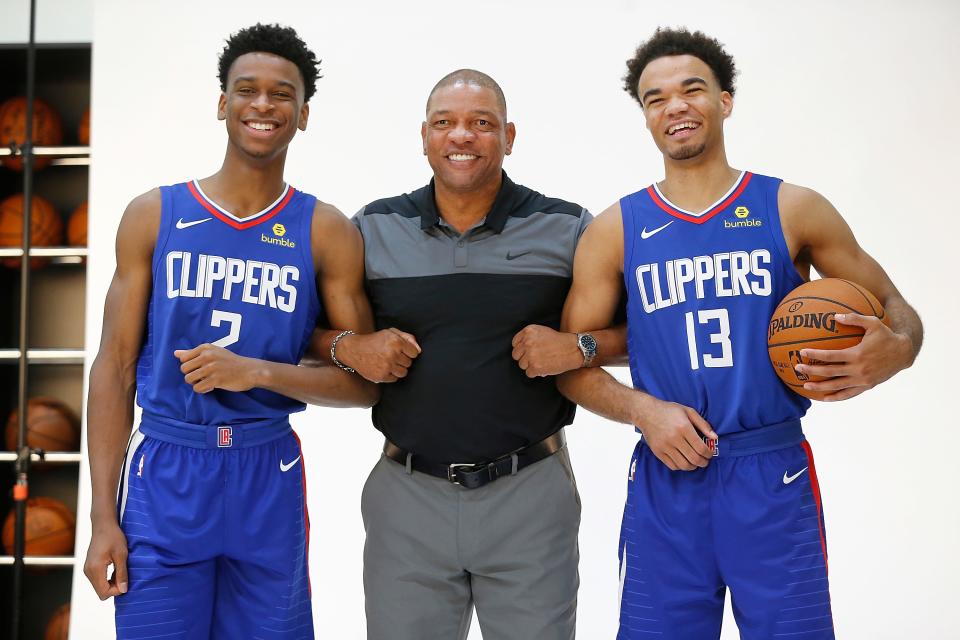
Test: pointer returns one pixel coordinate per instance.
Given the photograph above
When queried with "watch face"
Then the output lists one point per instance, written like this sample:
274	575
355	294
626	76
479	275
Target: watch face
587	343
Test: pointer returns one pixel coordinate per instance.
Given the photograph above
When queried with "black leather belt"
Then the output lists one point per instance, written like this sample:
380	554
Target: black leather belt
474	475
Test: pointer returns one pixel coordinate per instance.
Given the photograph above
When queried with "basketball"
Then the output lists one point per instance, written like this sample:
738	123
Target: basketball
49	528
77	227
47	130
83	131
59	624
46	226
805	320
51	426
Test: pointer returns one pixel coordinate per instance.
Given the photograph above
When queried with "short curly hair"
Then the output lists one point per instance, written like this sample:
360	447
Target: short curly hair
679	42
275	39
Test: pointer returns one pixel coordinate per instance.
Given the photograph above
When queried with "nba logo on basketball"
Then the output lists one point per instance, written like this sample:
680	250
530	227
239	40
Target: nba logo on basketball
225	437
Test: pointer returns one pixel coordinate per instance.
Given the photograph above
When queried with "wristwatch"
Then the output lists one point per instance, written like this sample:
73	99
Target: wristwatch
588	347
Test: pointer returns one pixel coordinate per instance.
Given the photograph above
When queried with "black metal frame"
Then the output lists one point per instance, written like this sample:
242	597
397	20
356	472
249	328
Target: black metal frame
22	468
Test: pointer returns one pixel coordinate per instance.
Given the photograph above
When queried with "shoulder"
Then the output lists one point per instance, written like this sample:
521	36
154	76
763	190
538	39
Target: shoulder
527	201
406	205
609	223
793	199
141	218
329	223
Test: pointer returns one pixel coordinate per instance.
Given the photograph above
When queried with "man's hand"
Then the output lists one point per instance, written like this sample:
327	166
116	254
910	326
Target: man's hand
880	354
207	367
108	546
673	433
541	351
384	356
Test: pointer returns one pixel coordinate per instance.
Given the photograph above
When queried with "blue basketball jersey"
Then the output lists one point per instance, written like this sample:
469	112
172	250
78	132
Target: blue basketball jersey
245	284
700	292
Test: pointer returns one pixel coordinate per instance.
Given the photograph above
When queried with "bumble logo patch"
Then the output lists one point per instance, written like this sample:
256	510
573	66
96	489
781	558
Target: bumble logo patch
278	232
743	220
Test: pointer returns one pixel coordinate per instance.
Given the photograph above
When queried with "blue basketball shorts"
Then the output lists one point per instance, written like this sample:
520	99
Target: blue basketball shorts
217	531
751	521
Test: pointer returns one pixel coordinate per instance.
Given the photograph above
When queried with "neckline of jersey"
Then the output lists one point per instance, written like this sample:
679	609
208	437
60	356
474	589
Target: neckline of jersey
241	223
699	218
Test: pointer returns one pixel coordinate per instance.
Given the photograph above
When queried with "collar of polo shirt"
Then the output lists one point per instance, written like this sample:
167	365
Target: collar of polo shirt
496	218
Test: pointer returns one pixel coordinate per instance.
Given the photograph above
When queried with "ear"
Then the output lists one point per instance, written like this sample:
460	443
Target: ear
423	136
304	116
726	104
222	107
511	132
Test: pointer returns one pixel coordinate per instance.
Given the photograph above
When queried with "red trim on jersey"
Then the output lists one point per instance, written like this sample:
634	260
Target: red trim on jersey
676	213
816	498
233	223
306	514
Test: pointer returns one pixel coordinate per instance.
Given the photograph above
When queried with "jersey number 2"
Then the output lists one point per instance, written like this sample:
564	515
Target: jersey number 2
721	337
235	319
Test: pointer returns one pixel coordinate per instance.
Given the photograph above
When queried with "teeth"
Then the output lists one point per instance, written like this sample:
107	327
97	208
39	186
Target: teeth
261	126
681	125
462	156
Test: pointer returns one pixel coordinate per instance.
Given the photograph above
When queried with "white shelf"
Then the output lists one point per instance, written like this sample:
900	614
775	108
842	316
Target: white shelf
41	561
45	356
45	252
51	457
50	151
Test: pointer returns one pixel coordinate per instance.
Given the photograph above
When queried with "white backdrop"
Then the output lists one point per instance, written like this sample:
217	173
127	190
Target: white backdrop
856	101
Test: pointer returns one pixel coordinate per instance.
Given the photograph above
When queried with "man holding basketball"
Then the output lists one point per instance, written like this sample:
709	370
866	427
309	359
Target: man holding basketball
706	256
209	535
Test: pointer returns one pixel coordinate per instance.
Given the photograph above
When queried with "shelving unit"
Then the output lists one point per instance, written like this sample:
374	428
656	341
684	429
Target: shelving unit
55	320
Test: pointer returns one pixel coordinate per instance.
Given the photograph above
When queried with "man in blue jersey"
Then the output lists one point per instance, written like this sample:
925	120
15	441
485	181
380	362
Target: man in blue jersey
209	535
745	512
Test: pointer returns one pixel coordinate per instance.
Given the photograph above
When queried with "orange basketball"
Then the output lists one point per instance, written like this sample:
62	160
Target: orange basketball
49	528
83	131
51	426
77	227
59	624
805	319
46	226
47	130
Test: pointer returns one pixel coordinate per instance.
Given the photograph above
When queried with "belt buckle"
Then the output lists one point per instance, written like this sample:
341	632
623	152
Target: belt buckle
452	471
712	444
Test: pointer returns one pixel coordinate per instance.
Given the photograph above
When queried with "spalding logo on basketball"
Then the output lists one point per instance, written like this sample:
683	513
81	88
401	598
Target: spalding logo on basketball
805	319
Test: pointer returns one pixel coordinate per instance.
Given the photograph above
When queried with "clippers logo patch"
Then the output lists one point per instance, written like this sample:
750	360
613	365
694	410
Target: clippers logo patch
713	445
224	436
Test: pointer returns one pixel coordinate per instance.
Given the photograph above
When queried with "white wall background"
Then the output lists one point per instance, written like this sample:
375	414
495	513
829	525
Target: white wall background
855	99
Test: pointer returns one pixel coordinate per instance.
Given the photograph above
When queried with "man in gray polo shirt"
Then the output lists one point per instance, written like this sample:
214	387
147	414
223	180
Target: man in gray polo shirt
474	501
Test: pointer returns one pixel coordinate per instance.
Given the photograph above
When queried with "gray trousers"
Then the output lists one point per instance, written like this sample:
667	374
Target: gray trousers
435	550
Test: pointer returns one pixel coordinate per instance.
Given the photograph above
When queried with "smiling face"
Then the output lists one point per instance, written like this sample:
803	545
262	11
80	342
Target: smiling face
684	106
263	104
466	136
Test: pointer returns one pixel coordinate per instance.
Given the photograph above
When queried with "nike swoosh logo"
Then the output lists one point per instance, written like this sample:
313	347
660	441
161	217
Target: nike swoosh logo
286	467
183	225
516	255
788	479
646	234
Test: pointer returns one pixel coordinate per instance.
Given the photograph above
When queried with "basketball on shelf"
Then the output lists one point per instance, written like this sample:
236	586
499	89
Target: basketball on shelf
48	531
77	227
805	320
59	624
47	129
51	426
46	226
83	131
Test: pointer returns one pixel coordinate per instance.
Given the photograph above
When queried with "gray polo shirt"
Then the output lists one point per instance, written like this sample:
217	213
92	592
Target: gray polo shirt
464	297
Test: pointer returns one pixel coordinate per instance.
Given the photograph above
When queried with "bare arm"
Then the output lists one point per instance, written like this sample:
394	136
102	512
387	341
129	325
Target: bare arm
541	351
818	237
672	431
113	385
338	262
